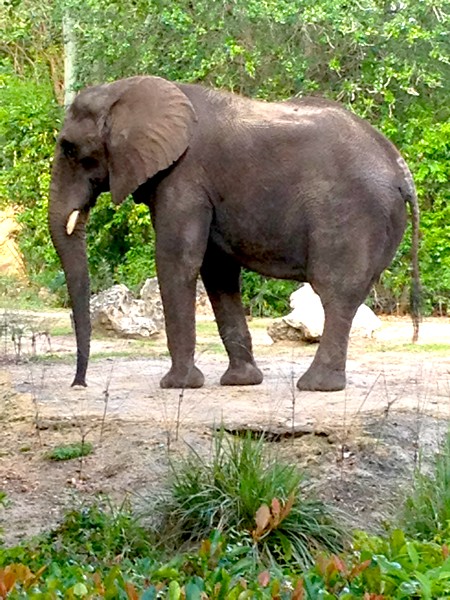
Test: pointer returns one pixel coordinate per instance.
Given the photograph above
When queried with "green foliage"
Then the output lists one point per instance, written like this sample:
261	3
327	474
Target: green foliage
426	513
102	552
431	156
265	297
400	567
241	489
70	451
388	61
98	534
29	119
16	293
395	568
121	242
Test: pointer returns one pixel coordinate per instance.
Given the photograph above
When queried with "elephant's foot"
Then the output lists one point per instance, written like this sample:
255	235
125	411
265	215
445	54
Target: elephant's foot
321	379
175	378
242	374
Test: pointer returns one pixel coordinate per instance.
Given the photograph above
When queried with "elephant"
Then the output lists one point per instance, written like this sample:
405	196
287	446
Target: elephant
301	189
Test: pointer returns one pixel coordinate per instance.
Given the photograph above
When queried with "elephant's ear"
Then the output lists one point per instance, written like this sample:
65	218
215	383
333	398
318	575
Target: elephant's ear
148	128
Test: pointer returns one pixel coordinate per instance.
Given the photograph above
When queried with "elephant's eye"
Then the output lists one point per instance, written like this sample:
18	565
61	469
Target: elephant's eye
88	162
69	149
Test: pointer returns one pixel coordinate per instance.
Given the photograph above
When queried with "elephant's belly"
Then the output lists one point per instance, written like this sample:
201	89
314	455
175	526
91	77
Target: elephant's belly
273	252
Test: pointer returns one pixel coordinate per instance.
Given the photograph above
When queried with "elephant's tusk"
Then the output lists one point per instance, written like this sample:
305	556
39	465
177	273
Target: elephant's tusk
72	221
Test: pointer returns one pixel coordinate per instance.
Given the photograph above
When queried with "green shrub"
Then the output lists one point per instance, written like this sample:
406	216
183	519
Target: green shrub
262	499
426	512
265	297
29	121
101	552
392	568
70	451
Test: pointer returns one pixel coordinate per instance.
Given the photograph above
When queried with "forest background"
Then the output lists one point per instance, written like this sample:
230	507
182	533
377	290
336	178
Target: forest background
387	60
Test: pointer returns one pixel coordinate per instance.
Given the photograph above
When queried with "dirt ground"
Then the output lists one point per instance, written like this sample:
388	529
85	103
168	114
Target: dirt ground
360	445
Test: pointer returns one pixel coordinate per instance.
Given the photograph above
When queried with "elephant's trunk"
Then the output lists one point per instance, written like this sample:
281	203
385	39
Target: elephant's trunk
71	248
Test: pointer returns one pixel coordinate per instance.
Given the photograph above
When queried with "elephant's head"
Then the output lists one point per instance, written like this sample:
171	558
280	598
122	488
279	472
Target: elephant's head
115	137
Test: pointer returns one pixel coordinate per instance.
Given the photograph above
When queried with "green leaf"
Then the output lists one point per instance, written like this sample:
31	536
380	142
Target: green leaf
79	590
193	591
425	585
413	555
174	590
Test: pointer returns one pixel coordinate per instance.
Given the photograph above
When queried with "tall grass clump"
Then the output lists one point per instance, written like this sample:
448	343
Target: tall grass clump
426	512
252	496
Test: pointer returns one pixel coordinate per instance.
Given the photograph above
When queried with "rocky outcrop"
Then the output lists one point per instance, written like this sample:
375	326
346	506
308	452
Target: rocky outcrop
117	312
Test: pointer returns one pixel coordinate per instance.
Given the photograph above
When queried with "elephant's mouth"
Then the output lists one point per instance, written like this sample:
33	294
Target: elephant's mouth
96	187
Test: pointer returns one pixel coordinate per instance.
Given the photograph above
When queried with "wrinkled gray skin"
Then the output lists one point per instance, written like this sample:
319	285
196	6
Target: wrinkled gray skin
300	190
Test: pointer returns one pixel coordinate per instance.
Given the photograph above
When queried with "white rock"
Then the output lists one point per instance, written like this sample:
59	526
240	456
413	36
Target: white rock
365	322
308	316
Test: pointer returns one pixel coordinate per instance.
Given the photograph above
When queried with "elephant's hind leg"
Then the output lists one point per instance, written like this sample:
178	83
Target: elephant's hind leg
221	276
327	371
341	295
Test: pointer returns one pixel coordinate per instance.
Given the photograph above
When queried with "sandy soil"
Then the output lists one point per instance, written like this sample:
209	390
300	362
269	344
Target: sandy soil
360	445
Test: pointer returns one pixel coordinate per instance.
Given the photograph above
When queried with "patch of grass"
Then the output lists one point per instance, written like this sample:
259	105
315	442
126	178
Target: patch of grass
131	353
260	323
61	330
244	490
99	551
94	536
70	451
211	348
3	498
18	294
100	532
426	512
412	348
70	357
65	359
207	328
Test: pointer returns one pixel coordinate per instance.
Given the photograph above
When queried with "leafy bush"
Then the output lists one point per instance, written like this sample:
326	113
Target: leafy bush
265	297
259	497
121	243
29	121
102	552
394	568
426	513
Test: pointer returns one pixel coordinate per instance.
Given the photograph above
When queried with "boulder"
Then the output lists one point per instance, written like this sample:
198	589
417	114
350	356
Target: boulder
307	315
279	331
307	318
151	295
116	312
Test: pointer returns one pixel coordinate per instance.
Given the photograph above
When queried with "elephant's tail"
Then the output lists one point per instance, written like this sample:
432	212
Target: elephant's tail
410	195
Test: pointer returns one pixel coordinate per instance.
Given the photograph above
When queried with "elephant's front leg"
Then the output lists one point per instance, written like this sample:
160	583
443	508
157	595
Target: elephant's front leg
221	276
181	239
